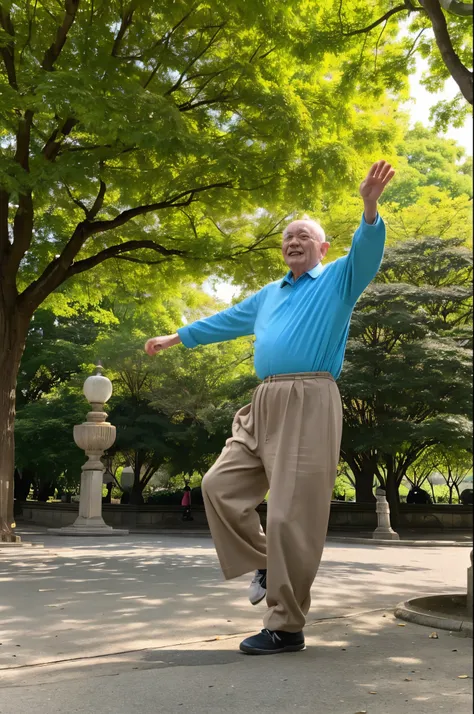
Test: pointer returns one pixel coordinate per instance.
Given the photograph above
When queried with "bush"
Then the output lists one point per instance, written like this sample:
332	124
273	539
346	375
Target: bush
173	498
165	498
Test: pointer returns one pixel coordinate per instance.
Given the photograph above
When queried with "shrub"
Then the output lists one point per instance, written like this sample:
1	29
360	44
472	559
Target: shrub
165	498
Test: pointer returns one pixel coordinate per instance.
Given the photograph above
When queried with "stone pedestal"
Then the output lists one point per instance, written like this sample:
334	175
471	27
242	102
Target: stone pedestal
469	588
94	436
89	521
384	530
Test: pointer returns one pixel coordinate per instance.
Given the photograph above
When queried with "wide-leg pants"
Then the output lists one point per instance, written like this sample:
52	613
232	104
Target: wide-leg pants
287	440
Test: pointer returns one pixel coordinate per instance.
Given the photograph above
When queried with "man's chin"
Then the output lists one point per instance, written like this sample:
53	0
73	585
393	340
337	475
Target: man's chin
295	264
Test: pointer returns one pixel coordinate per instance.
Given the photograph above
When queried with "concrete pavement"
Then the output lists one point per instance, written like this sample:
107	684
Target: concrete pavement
146	623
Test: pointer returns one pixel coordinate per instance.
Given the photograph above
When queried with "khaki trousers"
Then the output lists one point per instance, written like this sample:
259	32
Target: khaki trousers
287	439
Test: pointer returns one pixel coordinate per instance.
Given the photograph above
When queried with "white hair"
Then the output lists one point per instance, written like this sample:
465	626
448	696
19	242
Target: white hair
316	227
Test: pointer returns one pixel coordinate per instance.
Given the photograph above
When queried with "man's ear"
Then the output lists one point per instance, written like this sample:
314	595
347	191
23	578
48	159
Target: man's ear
324	248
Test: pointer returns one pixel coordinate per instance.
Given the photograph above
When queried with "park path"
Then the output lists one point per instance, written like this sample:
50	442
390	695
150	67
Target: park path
155	612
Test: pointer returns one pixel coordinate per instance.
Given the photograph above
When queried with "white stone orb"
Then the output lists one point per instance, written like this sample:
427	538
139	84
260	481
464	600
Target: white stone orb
97	389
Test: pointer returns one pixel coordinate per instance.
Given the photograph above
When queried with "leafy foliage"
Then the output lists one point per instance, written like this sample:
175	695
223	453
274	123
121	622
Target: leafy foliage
407	382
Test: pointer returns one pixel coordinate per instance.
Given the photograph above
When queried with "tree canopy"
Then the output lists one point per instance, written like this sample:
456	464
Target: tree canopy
159	143
439	31
129	130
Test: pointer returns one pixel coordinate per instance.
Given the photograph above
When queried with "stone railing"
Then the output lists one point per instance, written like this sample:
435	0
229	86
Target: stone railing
345	516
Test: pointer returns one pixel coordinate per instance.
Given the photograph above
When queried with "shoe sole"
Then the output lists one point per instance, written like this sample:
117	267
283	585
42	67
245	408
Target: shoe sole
257	651
256	602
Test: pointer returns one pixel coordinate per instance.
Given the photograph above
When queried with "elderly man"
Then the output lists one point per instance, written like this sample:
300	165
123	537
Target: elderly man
288	438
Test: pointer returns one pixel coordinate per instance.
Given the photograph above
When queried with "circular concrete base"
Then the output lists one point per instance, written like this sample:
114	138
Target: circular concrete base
444	612
83	532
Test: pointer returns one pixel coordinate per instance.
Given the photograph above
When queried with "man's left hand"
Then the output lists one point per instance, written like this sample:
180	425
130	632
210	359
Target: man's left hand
372	187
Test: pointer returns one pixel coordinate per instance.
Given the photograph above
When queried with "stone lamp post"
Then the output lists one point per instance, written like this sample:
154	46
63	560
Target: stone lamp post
384	529
94	436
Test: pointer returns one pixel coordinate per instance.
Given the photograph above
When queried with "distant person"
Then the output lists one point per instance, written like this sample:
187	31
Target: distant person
186	503
418	495
289	437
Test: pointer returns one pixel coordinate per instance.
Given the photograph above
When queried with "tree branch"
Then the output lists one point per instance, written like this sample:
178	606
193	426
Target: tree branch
190	105
31	20
115	251
22	231
23	140
127	18
53	145
173	202
406	7
57	271
99	201
90	213
23	221
179	81
4	238
77	201
165	40
461	74
54	273
139	261
8	51
52	54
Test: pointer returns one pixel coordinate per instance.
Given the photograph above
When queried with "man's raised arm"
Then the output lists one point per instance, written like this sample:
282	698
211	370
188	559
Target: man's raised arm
362	263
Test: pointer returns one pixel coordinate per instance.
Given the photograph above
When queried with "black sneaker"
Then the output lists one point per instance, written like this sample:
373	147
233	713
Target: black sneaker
273	642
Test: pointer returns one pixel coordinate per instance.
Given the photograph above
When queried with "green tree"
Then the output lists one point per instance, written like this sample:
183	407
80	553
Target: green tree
201	390
440	31
129	129
162	407
419	472
57	348
431	195
143	440
454	465
407	381
46	455
427	159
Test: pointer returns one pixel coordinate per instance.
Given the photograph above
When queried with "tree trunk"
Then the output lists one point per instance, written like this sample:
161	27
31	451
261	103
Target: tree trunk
46	490
136	493
456	486
362	468
23	481
364	487
461	74
393	499
13	331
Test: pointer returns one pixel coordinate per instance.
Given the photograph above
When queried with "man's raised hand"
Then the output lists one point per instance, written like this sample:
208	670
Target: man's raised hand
372	187
158	344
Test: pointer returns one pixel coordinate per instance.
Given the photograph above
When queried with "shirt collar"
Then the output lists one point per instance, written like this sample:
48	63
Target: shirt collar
313	273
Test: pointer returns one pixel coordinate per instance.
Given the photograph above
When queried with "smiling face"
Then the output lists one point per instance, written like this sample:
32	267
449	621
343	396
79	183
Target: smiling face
304	246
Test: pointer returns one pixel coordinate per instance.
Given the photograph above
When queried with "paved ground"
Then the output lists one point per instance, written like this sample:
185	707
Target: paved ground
146	623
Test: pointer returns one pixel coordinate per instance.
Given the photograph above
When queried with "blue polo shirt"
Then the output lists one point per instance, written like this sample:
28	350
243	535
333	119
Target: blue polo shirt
302	325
